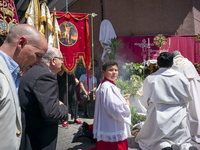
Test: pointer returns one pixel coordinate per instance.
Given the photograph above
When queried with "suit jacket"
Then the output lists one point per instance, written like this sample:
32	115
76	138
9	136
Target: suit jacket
41	111
10	112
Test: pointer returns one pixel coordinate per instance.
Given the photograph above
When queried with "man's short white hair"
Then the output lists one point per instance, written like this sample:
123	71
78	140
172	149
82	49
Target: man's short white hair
51	53
175	53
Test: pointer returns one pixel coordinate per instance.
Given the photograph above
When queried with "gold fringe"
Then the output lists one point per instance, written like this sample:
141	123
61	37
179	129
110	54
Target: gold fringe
43	19
77	61
49	26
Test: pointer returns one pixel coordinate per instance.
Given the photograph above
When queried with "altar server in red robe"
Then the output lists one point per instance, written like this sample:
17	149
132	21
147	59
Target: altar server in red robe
112	118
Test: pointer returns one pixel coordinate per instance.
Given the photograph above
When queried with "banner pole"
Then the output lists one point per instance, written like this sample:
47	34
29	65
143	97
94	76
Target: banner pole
66	6
92	54
67	99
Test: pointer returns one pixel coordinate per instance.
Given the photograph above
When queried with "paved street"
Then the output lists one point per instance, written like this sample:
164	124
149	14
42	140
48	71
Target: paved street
65	137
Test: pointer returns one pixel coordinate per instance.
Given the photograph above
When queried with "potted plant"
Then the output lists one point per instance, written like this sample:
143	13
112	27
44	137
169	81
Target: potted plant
112	48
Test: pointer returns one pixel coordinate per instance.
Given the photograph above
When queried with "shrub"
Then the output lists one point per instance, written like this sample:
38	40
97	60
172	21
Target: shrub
135	117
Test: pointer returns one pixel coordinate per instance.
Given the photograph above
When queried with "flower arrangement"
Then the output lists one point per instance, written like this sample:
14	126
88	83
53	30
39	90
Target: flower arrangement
135	117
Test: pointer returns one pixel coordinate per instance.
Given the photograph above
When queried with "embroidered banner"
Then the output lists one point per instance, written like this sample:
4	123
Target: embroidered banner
8	16
74	39
135	49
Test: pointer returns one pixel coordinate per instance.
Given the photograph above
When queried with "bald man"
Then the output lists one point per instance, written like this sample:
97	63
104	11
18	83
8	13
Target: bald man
23	48
41	108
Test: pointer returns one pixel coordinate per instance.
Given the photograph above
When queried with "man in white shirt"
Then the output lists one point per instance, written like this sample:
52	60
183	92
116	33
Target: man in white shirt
83	92
166	95
184	66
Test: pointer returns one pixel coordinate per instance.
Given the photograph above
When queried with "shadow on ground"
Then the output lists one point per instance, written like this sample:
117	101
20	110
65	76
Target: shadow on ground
132	143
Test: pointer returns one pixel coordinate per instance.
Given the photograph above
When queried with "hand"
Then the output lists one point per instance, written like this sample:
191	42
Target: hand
61	103
126	96
128	103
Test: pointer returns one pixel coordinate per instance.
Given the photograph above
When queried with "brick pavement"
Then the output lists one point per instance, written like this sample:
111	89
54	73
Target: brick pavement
65	136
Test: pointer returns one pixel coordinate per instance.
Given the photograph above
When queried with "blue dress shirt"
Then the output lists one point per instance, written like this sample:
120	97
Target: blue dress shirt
13	68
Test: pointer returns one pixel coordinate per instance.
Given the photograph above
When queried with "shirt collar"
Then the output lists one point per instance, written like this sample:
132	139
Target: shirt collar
105	79
12	65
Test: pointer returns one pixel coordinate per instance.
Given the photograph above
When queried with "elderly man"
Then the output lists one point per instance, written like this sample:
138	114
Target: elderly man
166	95
184	66
41	108
23	48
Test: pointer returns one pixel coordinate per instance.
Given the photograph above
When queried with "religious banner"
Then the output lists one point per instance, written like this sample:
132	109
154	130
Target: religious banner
8	16
33	14
45	22
49	26
135	49
74	39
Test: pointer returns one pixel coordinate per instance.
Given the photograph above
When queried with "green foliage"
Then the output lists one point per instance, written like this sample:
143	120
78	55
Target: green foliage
129	69
197	66
123	85
197	37
135	117
130	86
112	46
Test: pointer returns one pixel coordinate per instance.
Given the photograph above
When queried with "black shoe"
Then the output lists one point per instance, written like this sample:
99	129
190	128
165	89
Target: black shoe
175	147
193	148
167	148
78	134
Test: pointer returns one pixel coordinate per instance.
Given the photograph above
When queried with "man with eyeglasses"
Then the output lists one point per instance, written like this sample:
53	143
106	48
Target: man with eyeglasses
41	108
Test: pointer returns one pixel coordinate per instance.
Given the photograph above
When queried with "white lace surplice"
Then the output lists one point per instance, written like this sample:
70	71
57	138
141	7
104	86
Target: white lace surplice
112	118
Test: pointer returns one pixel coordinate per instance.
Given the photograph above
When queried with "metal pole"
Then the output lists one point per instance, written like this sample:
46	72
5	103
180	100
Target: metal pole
102	10
92	54
67	99
66	6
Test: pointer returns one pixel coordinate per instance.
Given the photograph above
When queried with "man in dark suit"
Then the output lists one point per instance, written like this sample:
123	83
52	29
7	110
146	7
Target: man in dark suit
41	108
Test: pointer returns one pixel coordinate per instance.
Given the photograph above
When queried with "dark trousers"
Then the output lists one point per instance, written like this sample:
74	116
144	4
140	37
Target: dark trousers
72	94
84	97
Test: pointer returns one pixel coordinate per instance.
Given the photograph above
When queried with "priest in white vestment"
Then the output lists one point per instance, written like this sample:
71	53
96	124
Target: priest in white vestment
186	67
166	95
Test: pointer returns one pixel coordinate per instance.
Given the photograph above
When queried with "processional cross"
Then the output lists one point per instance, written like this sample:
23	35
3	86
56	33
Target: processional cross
160	40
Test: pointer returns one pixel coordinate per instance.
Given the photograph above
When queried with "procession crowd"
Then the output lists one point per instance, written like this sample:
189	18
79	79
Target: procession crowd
33	95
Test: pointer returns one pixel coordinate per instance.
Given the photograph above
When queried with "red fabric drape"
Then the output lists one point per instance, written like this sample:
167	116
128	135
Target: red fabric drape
135	49
8	16
74	40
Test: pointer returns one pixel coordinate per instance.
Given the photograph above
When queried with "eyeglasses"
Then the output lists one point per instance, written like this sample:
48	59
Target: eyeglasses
62	59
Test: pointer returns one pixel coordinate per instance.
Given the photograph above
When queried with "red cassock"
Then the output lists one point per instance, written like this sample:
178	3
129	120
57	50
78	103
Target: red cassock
120	145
